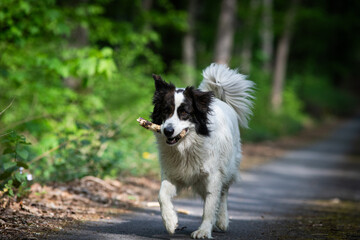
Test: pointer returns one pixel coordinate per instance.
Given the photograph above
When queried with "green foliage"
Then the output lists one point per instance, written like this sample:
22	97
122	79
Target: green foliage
80	74
14	161
68	96
80	152
24	19
322	99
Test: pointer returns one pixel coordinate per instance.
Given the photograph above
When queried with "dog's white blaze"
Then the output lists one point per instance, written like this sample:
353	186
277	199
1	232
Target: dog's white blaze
175	121
179	98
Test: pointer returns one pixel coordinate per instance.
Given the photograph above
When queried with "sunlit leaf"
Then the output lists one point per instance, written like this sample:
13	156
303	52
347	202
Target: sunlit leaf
106	52
22	153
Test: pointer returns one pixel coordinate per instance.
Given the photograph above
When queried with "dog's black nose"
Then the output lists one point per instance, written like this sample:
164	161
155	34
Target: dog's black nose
168	131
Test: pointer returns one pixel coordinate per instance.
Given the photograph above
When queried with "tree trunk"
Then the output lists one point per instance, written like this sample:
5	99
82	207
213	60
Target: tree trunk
267	35
189	52
79	38
282	57
225	32
246	52
146	6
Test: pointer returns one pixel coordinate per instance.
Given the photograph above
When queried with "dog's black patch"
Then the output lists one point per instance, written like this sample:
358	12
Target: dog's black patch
196	108
163	100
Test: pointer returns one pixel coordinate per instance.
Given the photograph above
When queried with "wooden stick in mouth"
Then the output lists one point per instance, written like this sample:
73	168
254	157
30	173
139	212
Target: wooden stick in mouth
155	127
149	125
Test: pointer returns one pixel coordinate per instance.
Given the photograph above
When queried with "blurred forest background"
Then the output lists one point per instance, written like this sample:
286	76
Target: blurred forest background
75	75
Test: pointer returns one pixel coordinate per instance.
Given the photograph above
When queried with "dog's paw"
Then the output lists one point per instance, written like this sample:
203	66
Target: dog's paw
170	221
222	222
223	225
201	233
171	227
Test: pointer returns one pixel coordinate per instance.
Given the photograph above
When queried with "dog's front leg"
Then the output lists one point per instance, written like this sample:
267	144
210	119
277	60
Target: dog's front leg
168	214
211	205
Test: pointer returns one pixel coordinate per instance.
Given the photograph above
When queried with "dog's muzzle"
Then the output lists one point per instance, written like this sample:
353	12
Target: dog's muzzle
174	140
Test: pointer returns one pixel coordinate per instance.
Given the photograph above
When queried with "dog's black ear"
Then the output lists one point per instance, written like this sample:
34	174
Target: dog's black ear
161	85
201	104
162	88
201	100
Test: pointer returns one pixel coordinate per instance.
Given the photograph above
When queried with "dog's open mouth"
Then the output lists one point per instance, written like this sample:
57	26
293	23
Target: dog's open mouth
172	141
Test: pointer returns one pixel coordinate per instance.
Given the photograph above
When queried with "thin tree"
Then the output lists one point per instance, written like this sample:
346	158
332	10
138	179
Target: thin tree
282	53
267	34
189	52
146	7
146	4
246	51
225	32
79	38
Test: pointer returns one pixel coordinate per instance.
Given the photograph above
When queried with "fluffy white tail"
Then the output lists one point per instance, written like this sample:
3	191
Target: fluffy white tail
231	87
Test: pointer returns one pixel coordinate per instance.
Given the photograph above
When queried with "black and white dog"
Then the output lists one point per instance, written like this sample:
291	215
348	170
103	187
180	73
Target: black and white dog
208	157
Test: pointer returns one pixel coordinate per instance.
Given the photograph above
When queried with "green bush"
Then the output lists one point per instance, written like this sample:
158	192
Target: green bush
77	153
14	174
321	98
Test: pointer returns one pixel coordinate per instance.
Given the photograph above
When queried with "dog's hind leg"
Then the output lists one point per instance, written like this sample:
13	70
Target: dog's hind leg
222	221
168	214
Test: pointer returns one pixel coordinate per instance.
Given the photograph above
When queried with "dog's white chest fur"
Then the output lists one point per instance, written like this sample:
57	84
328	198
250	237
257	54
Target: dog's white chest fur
184	163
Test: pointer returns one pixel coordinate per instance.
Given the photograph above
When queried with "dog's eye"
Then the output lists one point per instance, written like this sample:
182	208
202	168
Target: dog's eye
183	113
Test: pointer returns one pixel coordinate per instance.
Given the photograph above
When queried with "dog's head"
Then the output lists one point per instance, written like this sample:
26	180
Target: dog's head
178	109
